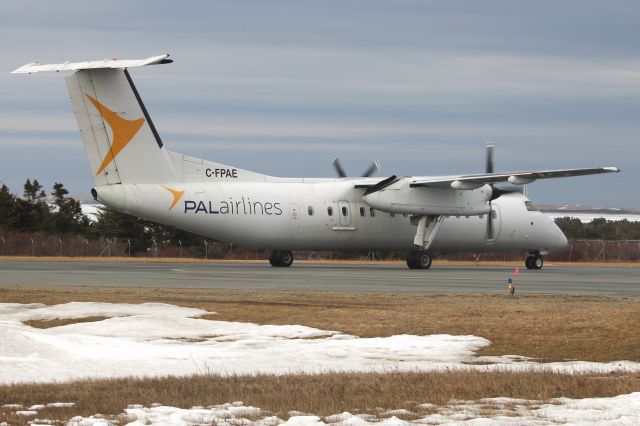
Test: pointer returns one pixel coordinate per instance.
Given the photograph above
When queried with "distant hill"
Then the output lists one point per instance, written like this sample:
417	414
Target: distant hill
586	214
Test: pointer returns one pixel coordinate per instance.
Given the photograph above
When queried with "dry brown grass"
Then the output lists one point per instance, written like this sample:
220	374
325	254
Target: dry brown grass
121	259
323	394
57	322
539	326
546	327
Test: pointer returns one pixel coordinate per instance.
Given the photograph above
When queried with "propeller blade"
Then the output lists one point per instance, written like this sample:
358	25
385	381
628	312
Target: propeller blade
338	166
489	234
489	165
373	168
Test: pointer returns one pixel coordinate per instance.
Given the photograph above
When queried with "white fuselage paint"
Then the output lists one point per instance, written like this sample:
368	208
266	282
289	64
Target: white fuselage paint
295	216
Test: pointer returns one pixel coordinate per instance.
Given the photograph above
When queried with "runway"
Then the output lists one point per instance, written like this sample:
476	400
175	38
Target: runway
323	277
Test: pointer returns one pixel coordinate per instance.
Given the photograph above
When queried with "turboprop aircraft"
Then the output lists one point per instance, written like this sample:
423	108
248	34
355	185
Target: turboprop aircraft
135	174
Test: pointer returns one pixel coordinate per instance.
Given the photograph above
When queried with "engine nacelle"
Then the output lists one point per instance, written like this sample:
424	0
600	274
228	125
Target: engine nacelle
399	197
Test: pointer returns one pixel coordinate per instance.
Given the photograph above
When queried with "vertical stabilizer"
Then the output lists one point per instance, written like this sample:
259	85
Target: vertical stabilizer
120	140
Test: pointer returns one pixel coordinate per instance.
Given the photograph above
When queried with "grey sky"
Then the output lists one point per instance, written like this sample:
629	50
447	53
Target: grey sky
280	87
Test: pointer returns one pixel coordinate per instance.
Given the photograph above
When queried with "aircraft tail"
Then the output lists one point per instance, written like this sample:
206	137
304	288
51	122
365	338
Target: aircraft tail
120	140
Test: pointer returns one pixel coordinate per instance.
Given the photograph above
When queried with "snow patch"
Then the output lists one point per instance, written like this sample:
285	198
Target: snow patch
37	407
37	311
61	404
26	413
618	410
585	217
153	338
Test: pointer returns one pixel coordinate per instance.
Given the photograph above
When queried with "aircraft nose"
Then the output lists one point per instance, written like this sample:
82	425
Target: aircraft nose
563	239
559	239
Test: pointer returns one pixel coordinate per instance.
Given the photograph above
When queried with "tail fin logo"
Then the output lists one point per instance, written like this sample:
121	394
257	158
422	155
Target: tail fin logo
123	131
176	195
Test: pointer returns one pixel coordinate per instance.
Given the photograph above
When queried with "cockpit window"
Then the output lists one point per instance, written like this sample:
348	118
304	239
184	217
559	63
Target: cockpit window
529	205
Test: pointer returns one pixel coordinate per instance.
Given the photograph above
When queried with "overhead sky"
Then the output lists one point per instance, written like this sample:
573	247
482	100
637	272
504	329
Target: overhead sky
279	87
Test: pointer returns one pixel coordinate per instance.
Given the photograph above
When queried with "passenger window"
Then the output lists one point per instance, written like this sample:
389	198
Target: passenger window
344	211
330	211
372	212
529	205
362	211
310	210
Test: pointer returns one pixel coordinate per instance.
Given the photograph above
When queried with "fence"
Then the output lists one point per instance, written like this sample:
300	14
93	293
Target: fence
599	251
18	244
40	244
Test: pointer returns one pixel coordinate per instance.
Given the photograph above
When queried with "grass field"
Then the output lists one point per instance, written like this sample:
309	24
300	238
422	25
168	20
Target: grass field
548	328
322	395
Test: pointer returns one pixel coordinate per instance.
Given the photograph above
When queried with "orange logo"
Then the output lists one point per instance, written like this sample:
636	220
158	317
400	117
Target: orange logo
176	195
123	131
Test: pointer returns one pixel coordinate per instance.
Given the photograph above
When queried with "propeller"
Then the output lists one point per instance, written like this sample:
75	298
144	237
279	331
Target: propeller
338	166
495	192
489	163
371	170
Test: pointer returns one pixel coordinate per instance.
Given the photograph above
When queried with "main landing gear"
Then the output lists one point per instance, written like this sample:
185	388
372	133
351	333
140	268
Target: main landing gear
418	259
427	229
281	258
534	261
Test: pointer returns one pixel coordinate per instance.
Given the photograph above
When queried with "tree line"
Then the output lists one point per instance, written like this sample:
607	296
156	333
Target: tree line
59	214
599	229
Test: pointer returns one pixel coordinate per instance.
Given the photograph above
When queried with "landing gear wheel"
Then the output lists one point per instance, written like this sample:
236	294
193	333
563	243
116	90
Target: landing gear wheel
537	263
528	261
534	262
418	260
412	262
424	260
281	258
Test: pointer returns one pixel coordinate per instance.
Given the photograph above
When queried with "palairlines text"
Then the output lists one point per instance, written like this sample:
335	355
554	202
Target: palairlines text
244	206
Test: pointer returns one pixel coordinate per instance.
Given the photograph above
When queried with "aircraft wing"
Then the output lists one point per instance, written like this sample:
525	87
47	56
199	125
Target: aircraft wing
516	178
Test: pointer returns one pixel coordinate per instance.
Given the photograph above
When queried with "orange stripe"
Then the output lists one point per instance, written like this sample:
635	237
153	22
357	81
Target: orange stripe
176	195
123	131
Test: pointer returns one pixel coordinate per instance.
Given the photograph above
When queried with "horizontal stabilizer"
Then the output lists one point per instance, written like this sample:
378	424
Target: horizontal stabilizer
105	63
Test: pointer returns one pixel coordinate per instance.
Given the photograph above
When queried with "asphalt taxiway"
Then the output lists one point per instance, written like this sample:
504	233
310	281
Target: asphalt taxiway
324	277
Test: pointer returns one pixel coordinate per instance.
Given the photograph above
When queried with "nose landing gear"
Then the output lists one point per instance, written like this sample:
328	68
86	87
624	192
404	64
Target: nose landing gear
281	258
534	261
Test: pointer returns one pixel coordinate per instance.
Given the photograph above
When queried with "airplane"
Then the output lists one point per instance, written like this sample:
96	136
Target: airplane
134	173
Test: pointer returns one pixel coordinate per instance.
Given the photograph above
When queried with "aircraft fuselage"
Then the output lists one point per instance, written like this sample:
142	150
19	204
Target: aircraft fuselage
327	215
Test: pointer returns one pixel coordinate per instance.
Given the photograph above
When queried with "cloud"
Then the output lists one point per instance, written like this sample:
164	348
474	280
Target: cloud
420	85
